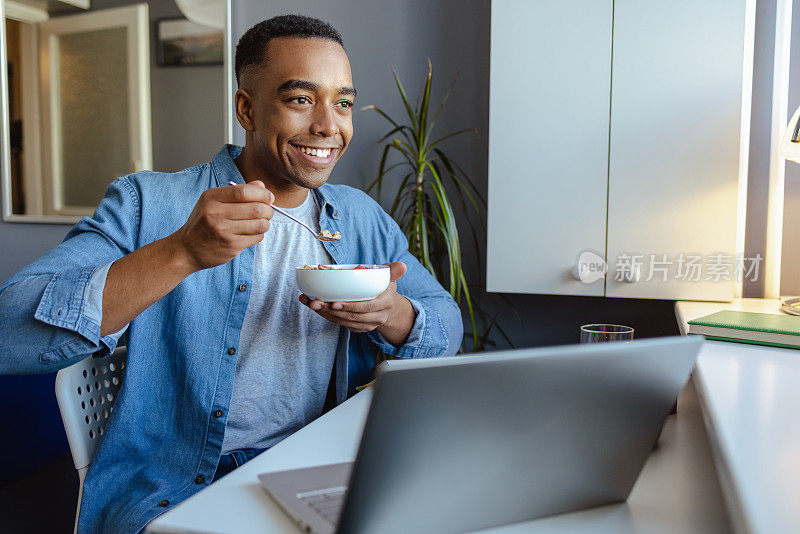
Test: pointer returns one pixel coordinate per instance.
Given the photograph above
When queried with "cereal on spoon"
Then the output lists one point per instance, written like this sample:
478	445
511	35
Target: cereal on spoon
330	235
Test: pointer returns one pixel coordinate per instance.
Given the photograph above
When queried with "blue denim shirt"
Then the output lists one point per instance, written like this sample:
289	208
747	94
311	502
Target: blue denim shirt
169	419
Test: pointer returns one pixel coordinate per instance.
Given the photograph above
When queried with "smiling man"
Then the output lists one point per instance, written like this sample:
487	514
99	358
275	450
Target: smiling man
196	277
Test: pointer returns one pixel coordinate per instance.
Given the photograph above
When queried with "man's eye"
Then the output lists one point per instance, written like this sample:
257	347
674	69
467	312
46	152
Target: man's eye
299	98
346	104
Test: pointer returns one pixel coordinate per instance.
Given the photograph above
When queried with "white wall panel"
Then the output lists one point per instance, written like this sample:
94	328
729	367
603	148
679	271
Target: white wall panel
548	143
675	140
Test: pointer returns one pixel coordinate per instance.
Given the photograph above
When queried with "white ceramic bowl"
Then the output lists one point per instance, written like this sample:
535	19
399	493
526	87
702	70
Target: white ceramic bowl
343	283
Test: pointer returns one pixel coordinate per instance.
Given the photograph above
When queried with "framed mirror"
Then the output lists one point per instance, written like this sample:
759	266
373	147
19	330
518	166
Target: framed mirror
83	100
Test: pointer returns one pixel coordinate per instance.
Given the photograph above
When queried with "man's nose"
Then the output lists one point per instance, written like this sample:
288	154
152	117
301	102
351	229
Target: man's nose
324	122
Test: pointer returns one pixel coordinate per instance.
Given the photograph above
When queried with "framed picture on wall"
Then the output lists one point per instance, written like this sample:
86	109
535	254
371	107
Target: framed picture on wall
181	42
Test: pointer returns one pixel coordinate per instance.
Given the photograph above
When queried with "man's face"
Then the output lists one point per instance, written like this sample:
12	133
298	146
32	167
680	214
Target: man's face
302	117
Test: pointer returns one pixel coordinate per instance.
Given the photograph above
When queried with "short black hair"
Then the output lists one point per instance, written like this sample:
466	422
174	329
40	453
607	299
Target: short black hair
253	44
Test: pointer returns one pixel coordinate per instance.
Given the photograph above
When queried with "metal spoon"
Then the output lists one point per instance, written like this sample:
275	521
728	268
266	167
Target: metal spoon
304	225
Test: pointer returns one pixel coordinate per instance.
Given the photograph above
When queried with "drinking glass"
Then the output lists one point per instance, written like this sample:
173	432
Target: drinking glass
597	333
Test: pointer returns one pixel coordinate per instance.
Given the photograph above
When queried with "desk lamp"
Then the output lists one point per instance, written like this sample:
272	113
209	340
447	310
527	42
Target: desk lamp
790	149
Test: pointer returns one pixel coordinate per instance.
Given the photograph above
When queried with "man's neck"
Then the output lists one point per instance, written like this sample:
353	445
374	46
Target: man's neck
287	194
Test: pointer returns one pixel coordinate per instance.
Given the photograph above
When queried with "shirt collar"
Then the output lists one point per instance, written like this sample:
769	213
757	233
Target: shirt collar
223	167
326	195
225	170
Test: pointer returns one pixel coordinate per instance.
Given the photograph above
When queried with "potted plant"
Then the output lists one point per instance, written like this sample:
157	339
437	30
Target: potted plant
428	182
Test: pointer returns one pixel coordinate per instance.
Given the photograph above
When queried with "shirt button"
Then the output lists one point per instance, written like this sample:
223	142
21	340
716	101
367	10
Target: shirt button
232	351
242	287
164	503
200	479
217	413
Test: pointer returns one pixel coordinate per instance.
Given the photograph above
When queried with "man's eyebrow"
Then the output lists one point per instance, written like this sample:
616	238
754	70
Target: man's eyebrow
293	85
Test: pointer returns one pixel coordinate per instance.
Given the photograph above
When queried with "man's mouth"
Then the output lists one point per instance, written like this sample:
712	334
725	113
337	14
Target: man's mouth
316	155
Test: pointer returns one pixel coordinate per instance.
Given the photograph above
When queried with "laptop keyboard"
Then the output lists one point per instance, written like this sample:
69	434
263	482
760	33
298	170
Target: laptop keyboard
326	502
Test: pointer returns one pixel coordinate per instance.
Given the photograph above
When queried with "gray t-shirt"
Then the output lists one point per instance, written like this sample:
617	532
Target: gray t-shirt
286	350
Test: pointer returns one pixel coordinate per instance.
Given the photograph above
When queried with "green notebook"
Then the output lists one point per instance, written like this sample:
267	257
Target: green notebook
749	327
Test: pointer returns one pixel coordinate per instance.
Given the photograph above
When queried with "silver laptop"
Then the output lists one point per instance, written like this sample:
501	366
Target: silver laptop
469	442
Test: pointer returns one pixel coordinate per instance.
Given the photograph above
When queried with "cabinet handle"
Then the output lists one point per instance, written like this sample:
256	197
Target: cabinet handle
590	268
576	272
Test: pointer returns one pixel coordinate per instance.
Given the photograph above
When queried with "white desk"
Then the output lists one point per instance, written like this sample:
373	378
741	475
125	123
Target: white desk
677	491
750	397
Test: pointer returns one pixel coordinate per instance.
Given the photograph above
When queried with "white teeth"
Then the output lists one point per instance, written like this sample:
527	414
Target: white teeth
318	152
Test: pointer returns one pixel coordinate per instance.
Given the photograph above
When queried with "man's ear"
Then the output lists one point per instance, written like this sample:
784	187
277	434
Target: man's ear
244	110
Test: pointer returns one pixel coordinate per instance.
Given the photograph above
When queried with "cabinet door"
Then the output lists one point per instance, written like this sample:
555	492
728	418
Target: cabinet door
676	104
548	137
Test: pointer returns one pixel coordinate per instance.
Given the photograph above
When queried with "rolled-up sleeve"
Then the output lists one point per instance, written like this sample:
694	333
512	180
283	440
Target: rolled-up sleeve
51	311
415	337
93	308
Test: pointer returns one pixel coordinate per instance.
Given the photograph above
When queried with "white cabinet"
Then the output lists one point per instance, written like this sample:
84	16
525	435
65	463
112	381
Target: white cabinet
615	129
547	189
